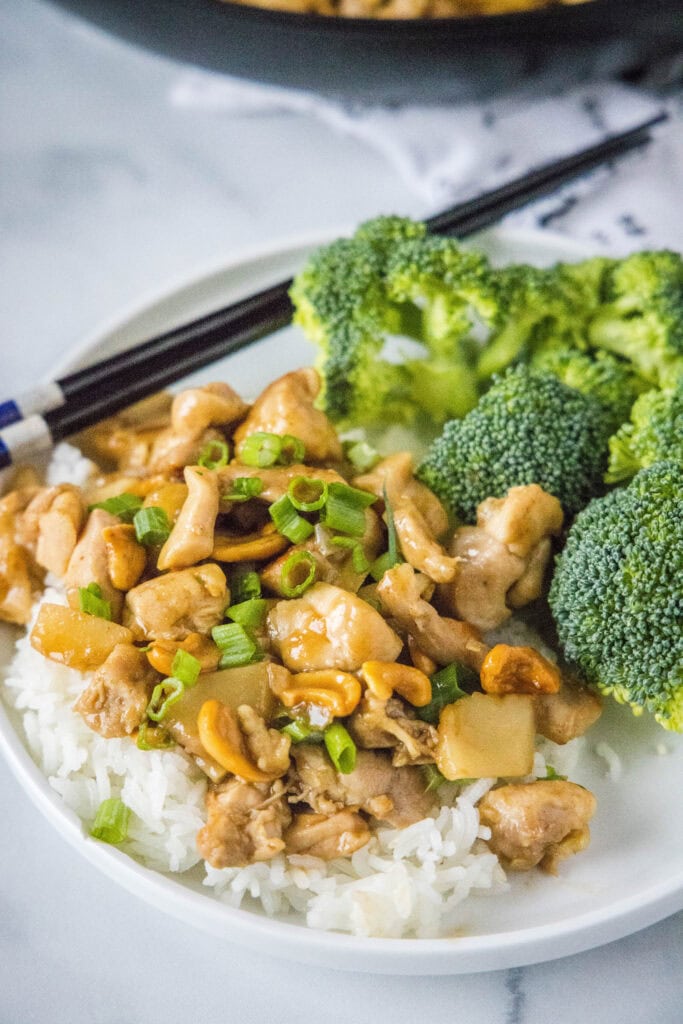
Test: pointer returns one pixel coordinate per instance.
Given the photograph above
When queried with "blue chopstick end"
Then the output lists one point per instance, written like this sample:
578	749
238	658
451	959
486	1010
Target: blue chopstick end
9	413
5	455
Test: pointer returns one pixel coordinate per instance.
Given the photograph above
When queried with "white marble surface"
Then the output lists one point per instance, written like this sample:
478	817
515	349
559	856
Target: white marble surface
107	193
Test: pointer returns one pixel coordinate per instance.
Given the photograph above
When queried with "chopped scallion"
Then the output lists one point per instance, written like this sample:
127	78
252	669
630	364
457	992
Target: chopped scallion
293	450
391	556
345	509
244	488
153	738
185	667
361	455
235	644
358	559
91	602
433	777
288	521
111	821
214	455
446	689
244	585
122	505
152	525
307	494
261	449
297	573
552	775
301	732
164	695
341	748
250	613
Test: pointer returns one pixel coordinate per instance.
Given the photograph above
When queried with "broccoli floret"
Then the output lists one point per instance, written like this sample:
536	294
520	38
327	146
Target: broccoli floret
606	377
617	593
393	279
537	307
528	428
641	317
653	433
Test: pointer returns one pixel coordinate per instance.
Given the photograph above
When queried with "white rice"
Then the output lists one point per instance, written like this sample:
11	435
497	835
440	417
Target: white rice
403	882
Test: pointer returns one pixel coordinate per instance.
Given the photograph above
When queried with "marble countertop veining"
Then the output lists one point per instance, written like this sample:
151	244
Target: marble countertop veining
107	193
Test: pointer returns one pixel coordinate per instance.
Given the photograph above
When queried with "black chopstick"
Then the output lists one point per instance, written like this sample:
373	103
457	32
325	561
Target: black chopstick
80	399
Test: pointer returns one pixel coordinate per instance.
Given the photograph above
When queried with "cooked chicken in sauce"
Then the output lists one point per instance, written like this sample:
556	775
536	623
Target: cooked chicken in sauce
310	633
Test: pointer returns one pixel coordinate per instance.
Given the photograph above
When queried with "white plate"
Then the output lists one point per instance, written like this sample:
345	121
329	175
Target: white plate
630	877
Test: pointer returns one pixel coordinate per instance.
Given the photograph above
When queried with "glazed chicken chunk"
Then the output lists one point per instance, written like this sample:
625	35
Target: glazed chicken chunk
330	628
245	823
114	702
537	823
172	606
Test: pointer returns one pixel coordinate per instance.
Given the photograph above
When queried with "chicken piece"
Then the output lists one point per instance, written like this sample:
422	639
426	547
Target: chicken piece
394	795
394	475
487	571
59	525
529	586
245	823
172	606
125	439
563	716
391	724
126	557
16	585
330	628
327	835
269	748
537	822
522	518
286	407
213	405
504	557
419	546
401	592
89	562
115	701
191	539
170	452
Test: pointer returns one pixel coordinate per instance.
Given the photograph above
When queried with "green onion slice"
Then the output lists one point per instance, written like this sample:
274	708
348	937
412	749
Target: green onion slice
298	573
552	775
433	777
446	689
151	525
235	644
361	455
244	488
111	821
300	731
307	494
244	585
91	602
358	558
185	667
340	747
153	738
214	455
164	695
122	505
345	509
293	450
288	521
250	613
260	449
391	556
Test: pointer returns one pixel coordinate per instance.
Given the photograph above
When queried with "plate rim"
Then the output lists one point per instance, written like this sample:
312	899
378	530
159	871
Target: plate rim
428	956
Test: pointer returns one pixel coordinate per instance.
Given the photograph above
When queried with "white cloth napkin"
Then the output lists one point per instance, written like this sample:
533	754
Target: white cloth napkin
446	153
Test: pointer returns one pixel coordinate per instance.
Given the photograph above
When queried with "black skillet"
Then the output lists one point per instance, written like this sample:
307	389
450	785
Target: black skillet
459	58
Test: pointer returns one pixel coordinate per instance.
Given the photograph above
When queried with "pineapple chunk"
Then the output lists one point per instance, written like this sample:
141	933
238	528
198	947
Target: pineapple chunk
484	735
